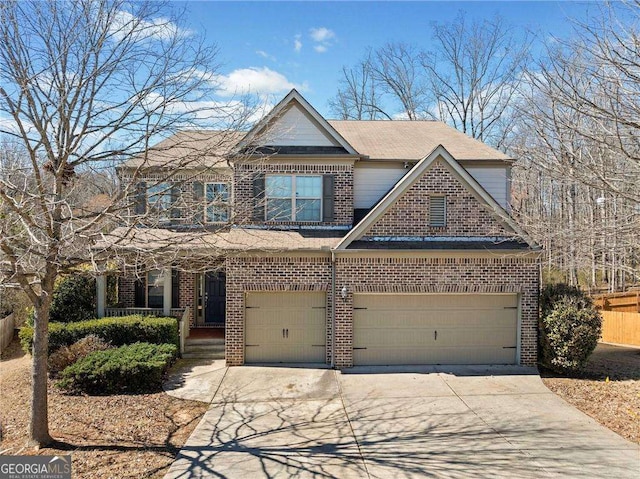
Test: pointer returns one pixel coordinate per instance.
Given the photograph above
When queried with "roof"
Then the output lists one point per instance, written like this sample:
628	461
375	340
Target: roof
411	140
234	239
190	149
440	245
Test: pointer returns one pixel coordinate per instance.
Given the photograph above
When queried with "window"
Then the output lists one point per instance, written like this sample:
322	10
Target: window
149	290
159	200
438	211
216	202
293	198
155	289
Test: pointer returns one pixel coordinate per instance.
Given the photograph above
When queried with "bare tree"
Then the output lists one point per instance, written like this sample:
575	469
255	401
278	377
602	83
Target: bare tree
358	97
84	86
577	137
473	73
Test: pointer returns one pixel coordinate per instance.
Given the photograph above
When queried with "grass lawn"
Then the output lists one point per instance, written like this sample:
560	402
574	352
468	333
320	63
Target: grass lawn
134	436
614	403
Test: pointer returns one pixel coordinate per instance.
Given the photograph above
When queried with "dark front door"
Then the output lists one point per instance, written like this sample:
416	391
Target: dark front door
215	289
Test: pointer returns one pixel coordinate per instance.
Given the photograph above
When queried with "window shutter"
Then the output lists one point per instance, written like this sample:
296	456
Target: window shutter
327	198
175	199
139	298
437	211
175	288
140	201
258	198
198	203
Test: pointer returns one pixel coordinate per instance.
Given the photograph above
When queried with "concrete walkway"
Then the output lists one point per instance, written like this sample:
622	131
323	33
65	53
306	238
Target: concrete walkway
384	423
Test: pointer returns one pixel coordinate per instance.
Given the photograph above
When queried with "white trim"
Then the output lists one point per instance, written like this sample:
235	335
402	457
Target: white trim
293	197
519	330
101	294
412	177
226	204
167	290
488	239
281	106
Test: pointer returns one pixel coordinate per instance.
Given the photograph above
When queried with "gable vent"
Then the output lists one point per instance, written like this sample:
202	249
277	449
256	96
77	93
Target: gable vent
438	211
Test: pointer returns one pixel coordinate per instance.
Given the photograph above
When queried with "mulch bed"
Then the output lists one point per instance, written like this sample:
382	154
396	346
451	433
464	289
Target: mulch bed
125	436
608	389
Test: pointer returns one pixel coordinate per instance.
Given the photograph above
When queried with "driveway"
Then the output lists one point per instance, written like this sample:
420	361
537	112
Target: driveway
458	422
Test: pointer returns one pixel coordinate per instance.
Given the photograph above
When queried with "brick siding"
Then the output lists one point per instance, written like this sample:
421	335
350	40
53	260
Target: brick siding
269	274
343	189
433	275
409	216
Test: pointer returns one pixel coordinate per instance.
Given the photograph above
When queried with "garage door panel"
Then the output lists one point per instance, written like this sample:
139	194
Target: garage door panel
435	329
285	327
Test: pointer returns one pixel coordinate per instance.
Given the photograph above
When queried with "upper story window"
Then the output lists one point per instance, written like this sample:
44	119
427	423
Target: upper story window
216	202
293	197
438	211
159	200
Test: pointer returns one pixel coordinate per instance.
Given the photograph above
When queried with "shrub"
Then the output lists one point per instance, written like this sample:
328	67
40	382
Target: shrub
134	368
74	299
117	331
67	355
569	328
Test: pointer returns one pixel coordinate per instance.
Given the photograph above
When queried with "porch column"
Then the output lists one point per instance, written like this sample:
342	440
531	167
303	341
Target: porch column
166	300
101	294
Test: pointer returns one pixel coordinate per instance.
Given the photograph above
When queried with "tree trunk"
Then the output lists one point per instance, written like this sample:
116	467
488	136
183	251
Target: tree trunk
39	425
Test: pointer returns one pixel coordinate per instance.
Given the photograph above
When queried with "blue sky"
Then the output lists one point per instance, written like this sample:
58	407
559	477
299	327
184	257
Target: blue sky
273	46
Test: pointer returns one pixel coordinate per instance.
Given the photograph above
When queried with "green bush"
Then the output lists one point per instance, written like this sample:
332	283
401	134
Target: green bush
117	331
74	299
67	355
134	368
570	328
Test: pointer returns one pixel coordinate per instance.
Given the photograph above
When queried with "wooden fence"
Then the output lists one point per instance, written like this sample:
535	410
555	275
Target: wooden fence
620	302
621	327
7	328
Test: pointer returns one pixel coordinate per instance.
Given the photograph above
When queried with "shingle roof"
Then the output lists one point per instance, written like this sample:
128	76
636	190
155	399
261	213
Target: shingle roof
234	239
411	140
192	149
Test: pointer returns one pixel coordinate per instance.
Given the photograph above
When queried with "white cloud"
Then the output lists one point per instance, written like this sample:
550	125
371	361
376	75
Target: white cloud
321	34
297	43
257	81
320	48
124	24
264	54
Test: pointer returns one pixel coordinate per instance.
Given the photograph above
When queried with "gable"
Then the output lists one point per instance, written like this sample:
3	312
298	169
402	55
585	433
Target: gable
460	183
409	215
295	127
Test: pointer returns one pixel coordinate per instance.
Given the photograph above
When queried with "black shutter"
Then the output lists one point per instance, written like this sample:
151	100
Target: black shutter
139	299
258	198
327	198
175	202
198	203
140	200
175	288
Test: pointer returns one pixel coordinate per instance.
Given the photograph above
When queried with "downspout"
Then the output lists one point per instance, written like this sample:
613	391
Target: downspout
333	309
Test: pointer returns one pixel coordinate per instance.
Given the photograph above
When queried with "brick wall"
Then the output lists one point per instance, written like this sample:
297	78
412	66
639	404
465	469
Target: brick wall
409	216
187	286
269	274
189	206
126	291
444	275
343	188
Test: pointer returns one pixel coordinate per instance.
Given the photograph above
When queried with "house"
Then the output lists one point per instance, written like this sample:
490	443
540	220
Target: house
351	243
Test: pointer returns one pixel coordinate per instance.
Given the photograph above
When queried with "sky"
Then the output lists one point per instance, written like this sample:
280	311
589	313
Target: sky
271	47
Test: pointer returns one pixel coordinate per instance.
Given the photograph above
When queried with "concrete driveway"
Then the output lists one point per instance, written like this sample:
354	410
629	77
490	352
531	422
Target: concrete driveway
390	423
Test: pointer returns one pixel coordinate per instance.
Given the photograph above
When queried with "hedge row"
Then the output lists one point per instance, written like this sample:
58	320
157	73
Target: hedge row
134	368
117	331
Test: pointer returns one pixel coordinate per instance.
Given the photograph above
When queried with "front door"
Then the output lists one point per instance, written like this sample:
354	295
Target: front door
214	297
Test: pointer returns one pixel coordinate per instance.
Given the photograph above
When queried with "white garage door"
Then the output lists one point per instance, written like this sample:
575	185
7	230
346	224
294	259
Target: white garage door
285	327
435	329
